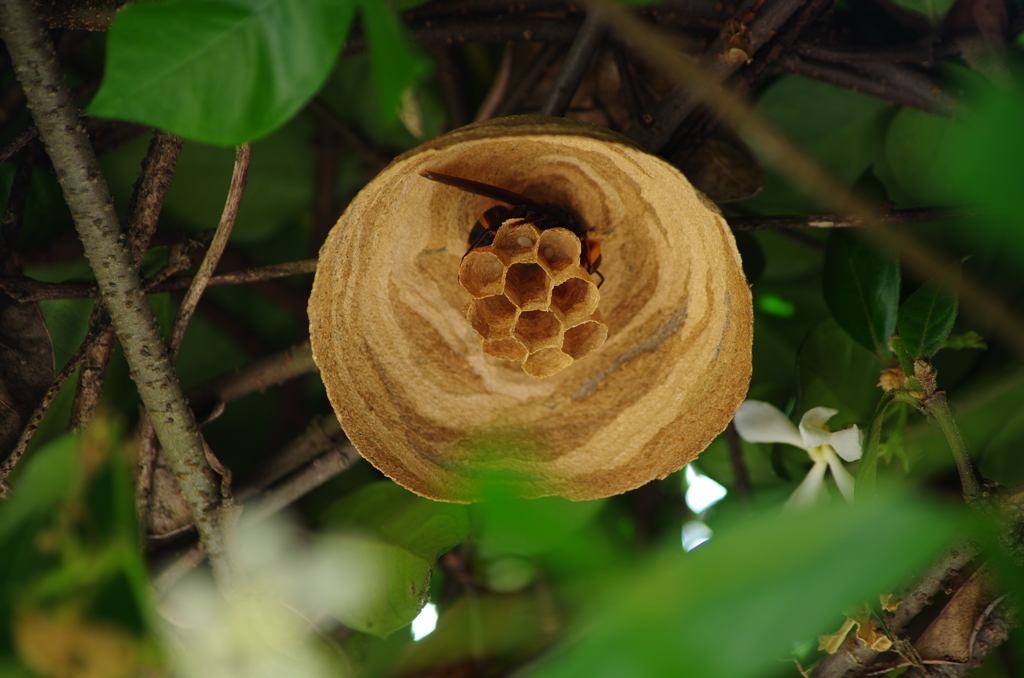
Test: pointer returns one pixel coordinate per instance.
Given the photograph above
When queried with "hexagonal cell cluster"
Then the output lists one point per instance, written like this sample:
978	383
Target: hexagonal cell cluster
534	303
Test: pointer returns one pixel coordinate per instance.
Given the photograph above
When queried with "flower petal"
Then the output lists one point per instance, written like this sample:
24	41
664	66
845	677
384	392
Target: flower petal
844	481
813	431
810	489
760	422
848	443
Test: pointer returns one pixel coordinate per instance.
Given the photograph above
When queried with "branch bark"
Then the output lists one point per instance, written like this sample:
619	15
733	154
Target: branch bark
88	196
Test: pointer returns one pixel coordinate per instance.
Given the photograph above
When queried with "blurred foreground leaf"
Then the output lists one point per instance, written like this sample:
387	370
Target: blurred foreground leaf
752	592
404	534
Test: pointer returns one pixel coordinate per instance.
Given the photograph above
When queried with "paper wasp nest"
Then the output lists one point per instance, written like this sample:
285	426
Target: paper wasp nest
405	371
534	303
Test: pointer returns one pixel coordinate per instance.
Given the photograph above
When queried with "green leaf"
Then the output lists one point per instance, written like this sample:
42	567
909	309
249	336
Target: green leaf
394	514
48	478
835	372
717	611
397	63
933	9
403	534
842	129
915	151
219	71
969	339
926	318
862	290
394	594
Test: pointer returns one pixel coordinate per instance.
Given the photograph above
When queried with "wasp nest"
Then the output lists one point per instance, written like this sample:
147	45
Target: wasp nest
404	369
534	303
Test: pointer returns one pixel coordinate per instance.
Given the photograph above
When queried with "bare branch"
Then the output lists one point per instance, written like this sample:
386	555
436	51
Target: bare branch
88	196
213	251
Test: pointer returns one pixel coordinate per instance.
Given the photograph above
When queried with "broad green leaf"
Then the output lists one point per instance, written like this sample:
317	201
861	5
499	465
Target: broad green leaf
48	478
397	63
487	625
394	594
219	71
421	526
862	289
915	151
840	128
403	534
736	605
969	339
933	9
926	318
529	527
833	371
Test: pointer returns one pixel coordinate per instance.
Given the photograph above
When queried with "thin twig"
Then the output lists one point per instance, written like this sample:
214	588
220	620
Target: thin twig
739	466
719	62
321	435
315	474
19	142
576	63
373	158
213	251
94	334
89	199
534	72
27	289
208	399
916	215
693	134
17	197
888	81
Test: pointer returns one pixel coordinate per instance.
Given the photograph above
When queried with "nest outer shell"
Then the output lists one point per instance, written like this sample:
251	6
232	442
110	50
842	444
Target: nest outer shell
404	370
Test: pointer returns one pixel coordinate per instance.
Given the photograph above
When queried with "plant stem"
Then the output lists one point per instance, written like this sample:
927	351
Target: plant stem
88	196
938	407
869	462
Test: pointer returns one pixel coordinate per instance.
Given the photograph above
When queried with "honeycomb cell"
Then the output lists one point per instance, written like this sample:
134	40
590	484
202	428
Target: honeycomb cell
546	362
558	249
516	241
584	338
528	286
574	300
492	317
534	303
505	349
482	273
538	329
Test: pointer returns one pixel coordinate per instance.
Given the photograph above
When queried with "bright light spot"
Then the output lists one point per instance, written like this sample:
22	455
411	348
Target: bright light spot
773	305
703	492
423	624
695	533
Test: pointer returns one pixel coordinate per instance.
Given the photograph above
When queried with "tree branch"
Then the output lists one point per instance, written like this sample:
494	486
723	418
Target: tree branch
208	399
143	214
27	289
576	63
87	195
916	215
213	252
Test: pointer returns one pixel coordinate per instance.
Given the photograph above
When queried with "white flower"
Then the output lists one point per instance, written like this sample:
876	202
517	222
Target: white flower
759	422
